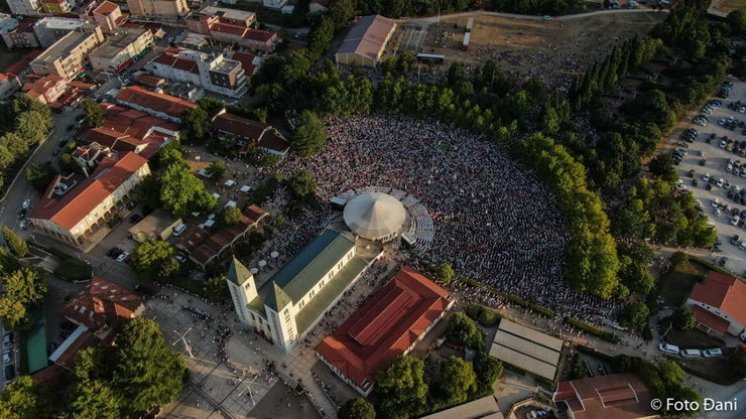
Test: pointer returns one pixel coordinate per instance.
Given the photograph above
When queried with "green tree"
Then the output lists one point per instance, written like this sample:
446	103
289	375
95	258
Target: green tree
464	331
310	137
303	186
40	175
231	216
195	125
147	371
22	399
170	155
488	370
13	314
444	273
94	114
217	169
25	285
217	289
683	319
402	389
16	244
737	21
182	192
357	408
168	269
456	380
93	399
635	315
148	256
662	166
679	260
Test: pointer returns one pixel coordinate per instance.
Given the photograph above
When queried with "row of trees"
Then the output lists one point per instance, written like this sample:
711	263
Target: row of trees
112	382
24	123
22	287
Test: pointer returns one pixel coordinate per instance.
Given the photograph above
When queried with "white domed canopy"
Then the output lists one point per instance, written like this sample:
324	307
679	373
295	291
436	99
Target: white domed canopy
375	216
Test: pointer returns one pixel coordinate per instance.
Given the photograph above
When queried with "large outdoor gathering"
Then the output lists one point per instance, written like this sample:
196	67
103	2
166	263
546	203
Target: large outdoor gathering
359	210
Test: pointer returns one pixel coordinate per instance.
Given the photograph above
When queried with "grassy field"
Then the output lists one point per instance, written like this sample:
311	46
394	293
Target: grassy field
676	285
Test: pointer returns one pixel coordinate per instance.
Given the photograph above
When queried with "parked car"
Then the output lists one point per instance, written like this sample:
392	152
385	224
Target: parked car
668	348
179	229
691	353
122	257
712	353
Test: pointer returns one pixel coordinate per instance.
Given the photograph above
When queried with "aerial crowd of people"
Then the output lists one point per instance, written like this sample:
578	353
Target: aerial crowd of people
495	222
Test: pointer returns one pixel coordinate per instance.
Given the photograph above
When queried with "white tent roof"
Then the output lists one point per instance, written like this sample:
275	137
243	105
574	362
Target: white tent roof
374	215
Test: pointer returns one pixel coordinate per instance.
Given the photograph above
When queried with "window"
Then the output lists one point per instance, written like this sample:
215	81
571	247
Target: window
313	292
302	303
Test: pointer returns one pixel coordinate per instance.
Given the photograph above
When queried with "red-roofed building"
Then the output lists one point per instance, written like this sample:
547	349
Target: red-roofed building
388	325
243	36
718	300
108	16
204	246
137	124
46	89
249	62
74	208
250	132
615	396
102	305
115	140
159	105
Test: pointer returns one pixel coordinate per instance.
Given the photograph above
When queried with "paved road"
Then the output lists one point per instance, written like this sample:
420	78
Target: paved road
434	19
22	189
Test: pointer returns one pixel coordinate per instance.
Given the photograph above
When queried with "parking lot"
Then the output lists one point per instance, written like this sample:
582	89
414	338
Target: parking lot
713	169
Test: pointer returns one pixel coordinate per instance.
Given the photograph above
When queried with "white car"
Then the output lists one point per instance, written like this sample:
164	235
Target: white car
706	178
26	204
179	229
691	353
668	348
121	258
734	220
715	203
712	353
723	144
719	183
680	185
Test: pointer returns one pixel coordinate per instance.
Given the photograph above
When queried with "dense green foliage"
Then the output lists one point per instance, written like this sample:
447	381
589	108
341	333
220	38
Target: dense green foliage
357	408
444	273
462	330
142	370
40	175
683	319
15	243
401	389
488	370
230	216
22	289
148	258
182	192
591	252
310	136
94	114
456	380
24	123
635	315
22	399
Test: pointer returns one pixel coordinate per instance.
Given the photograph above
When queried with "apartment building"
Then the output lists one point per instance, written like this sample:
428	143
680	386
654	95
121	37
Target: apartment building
51	29
73	208
66	57
158	8
17	34
25	7
213	72
108	16
55	7
122	48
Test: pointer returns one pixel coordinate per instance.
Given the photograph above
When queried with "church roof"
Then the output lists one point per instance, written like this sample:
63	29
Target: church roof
238	273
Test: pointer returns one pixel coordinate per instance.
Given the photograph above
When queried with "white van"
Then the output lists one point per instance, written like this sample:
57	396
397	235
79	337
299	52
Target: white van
179	229
691	353
712	353
668	348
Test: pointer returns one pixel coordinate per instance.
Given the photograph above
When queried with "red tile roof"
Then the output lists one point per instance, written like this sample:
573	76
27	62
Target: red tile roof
170	105
725	292
148	80
247	61
76	204
170	57
238	126
102	303
133	122
105	8
113	139
243	32
615	396
385	326
710	320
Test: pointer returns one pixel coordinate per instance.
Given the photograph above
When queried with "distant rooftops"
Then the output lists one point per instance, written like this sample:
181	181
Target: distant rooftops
368	36
102	303
105	8
231	14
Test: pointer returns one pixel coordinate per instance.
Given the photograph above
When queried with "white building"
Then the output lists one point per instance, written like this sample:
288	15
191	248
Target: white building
51	29
287	307
213	72
25	7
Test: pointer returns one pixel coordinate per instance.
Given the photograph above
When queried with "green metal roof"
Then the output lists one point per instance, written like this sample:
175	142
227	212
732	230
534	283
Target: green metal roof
238	273
277	299
306	268
36	342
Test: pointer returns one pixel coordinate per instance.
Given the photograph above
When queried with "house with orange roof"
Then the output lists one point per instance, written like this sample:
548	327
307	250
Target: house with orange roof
719	304
614	396
46	89
388	325
108	16
74	208
159	105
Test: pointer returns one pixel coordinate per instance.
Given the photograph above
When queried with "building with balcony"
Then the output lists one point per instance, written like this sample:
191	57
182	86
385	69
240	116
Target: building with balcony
74	208
212	72
122	48
18	34
169	9
51	29
67	56
25	7
55	7
108	16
